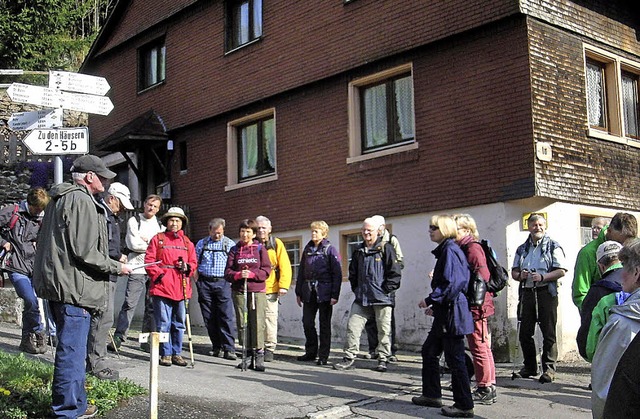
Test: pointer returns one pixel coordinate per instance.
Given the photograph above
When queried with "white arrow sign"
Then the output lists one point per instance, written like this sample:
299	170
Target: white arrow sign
75	82
35	95
58	141
100	105
52	98
45	118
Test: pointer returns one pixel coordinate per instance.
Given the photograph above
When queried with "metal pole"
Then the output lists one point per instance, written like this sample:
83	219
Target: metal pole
153	375
57	170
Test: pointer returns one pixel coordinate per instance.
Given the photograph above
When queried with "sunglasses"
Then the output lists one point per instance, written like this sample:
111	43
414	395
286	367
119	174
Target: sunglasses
433	228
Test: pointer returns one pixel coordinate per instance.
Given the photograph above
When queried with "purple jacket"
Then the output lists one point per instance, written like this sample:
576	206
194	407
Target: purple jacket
255	257
320	270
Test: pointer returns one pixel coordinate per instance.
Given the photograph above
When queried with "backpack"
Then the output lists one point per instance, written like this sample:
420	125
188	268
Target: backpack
499	276
5	260
476	290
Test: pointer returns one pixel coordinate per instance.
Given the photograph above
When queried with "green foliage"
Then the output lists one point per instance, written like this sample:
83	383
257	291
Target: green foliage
25	388
48	34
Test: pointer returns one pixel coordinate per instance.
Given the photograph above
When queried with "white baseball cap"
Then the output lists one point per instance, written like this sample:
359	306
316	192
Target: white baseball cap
121	192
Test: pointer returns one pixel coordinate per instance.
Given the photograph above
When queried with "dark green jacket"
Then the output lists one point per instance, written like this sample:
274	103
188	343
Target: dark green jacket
72	264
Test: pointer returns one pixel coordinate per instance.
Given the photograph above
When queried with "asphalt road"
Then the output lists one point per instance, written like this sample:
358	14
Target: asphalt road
215	388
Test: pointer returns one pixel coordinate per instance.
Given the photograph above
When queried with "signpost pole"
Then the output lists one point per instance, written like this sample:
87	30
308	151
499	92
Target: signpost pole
57	170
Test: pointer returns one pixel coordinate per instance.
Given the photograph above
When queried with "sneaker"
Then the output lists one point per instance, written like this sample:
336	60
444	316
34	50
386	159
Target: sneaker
456	412
485	395
547	377
165	361
91	411
392	358
382	366
346	364
215	352
525	373
306	357
178	360
230	355
268	355
115	344
427	401
107	374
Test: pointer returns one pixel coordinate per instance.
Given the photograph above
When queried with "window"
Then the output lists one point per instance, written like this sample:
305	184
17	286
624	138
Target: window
183	155
152	64
381	114
613	109
351	240
244	22
251	148
293	250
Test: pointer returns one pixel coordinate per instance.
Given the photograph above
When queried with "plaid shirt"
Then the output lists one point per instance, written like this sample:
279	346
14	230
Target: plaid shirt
212	256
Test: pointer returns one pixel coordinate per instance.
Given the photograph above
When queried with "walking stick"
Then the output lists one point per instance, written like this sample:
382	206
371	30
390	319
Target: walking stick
186	307
245	325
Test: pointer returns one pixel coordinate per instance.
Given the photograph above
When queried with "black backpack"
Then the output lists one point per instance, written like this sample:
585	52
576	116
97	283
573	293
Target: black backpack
498	274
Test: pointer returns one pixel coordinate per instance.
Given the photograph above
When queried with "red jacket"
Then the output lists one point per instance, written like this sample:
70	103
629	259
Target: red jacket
166	280
478	262
256	258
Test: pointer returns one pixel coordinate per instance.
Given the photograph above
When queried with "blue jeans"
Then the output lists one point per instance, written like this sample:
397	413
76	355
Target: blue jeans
453	347
31	312
170	318
69	397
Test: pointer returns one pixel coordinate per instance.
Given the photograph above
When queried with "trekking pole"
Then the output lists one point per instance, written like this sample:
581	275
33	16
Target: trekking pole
186	307
535	296
245	324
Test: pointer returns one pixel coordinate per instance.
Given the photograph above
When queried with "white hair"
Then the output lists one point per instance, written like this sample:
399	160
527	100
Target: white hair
78	176
263	219
373	221
379	219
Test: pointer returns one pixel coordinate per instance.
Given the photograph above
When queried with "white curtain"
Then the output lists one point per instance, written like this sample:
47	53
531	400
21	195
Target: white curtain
404	106
595	95
269	143
375	115
257	18
630	104
249	138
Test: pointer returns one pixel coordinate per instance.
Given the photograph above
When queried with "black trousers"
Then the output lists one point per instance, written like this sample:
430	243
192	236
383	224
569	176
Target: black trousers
538	305
309	311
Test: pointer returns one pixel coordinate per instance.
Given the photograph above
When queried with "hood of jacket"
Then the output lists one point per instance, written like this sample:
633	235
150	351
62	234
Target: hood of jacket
630	308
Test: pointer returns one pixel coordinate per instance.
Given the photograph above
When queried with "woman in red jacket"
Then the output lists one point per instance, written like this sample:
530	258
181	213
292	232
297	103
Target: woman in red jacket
170	282
480	340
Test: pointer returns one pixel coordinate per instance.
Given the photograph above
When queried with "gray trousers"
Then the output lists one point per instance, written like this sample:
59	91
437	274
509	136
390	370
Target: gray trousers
355	326
101	322
137	285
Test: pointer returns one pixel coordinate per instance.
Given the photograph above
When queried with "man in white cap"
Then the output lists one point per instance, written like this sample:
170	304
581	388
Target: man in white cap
70	270
116	200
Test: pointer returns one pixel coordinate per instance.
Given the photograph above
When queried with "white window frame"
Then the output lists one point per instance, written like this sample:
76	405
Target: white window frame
613	68
232	151
355	116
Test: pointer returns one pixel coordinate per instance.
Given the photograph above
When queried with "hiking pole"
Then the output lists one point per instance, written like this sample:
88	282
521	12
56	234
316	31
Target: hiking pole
245	324
186	307
535	296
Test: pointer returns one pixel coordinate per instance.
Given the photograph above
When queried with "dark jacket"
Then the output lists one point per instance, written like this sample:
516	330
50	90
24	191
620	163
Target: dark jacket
255	257
611	282
22	237
478	263
320	270
450	279
113	233
71	264
374	273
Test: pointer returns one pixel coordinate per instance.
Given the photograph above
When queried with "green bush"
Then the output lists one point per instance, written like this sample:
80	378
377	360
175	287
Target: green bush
25	388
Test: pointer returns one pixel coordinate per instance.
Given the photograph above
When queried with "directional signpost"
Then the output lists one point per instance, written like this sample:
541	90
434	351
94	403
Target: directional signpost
52	98
75	82
58	141
45	118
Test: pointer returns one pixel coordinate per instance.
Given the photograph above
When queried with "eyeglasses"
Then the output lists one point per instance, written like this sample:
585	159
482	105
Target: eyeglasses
433	228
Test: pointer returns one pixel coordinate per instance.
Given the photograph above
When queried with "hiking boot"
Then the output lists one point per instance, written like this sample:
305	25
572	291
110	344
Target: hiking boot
547	377
29	344
485	395
322	361
382	366
41	342
306	357
115	344
268	355
392	358
91	411
245	363
427	401
526	373
178	360
107	374
215	352
165	361
259	364
145	347
455	412
230	355
345	364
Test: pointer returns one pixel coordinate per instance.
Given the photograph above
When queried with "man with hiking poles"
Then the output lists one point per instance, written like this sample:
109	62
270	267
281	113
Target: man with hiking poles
538	264
170	283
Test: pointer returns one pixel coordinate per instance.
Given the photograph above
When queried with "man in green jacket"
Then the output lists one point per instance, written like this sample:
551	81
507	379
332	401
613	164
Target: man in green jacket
71	270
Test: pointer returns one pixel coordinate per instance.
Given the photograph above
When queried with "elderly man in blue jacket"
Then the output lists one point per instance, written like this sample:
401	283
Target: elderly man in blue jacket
374	273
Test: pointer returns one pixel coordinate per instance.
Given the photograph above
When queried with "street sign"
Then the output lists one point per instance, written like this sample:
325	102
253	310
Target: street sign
35	95
58	141
45	118
81	102
75	82
52	98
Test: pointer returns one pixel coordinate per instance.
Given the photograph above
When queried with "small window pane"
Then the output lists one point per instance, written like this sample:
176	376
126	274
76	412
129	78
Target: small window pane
353	242
293	250
152	64
257	149
596	94
630	105
244	21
